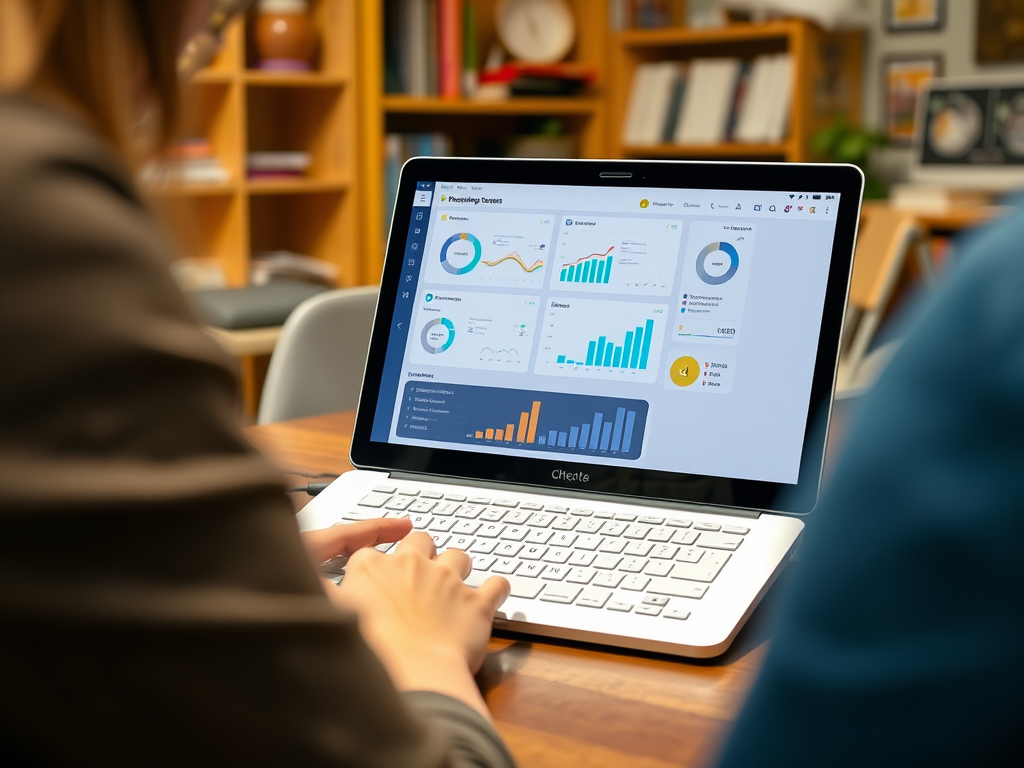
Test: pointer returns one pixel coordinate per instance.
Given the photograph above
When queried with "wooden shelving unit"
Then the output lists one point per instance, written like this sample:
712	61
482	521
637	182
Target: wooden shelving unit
826	67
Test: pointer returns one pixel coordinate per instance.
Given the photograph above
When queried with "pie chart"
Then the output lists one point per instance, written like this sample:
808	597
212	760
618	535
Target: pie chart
460	253
715	251
437	335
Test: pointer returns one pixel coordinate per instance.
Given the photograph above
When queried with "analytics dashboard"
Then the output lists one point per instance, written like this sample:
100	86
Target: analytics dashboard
664	329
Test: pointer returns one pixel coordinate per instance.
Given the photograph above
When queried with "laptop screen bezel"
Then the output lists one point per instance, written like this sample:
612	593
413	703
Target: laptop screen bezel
655	485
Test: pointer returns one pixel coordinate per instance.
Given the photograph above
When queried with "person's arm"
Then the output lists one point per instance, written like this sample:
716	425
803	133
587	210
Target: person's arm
900	642
158	606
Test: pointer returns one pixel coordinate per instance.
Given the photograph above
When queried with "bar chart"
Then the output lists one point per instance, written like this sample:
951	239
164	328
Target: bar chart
601	339
595	268
523	419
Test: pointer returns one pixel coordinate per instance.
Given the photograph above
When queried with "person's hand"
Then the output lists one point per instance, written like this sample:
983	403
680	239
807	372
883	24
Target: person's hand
344	540
425	624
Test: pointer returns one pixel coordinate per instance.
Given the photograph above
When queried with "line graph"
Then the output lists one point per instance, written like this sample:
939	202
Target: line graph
593	268
515	257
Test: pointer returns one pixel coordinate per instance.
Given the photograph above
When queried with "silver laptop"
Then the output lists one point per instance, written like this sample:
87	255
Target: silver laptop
607	381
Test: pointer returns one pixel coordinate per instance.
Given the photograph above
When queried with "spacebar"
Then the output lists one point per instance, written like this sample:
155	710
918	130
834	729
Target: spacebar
528	588
677	588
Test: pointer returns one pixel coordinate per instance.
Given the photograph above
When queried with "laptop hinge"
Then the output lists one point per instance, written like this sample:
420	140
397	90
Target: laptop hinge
579	495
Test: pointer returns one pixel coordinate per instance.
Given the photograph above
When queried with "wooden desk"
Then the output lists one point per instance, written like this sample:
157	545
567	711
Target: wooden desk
563	704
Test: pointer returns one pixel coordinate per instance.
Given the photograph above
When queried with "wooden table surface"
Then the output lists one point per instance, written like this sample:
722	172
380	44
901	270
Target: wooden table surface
559	704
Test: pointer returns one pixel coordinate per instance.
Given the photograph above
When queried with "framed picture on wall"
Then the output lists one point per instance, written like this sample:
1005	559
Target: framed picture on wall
902	77
914	15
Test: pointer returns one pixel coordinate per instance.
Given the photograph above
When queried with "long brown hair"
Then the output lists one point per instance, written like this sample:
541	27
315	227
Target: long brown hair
98	54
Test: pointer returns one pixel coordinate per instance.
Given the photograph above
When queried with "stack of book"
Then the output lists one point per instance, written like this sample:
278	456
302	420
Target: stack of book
399	147
189	161
277	165
430	48
268	266
710	101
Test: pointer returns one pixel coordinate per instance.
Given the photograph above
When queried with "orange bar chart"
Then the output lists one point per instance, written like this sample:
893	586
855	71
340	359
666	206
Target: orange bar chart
527	428
508	433
531	434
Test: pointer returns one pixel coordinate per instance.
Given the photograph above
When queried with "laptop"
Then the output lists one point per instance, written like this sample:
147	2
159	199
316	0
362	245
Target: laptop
607	381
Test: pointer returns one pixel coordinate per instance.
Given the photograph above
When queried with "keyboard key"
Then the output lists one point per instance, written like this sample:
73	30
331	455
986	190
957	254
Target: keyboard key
518	517
655	600
685	538
637	531
581	512
508	549
431	495
468	527
335	565
659	567
533	507
619	606
355	515
408	492
589	542
533	552
638	548
510	503
484	546
707	527
660	535
491	530
664	551
374	500
420	521
461	542
609	579
580	575
541	519
557	555
592	597
651	519
388	489
423	505
528	588
505	565
531	570
614	528
515	532
689	555
582	558
563	523
632	564
492	514
736	529
556	509
479	500
555	572
560	593
648	610
615	546
676	613
607	562
563	539
446	508
440	539
443	524
604	514
674	588
636	583
706	570
628	517
538	536
469	510
719	541
483	562
593	525
454	497
682	523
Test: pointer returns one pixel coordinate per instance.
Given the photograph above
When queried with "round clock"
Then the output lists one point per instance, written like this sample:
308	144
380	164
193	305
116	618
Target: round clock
536	31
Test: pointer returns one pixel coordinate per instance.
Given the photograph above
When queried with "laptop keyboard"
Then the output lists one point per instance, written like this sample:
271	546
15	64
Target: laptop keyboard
648	564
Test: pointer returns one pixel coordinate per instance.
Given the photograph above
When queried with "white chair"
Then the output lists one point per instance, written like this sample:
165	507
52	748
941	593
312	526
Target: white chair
317	365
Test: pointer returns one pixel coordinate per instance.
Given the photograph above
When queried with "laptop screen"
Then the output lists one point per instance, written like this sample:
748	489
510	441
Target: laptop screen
666	329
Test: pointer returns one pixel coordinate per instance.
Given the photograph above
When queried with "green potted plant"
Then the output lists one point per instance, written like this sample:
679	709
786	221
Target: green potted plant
842	142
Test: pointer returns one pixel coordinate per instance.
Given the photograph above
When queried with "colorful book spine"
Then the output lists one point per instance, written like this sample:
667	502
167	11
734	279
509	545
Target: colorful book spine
450	48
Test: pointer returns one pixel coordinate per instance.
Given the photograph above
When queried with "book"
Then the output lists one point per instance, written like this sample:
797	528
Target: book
632	124
704	114
657	101
675	106
449	38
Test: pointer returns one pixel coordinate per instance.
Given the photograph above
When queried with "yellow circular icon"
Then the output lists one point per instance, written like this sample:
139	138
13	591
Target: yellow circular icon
644	203
684	371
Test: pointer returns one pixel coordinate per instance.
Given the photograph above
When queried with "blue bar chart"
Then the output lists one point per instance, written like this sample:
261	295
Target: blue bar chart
595	268
523	419
601	339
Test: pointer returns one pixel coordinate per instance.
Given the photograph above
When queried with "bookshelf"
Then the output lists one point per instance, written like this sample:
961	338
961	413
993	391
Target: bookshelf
827	69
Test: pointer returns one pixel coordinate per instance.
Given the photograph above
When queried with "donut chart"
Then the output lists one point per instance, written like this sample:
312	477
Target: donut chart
461	240
734	259
436	340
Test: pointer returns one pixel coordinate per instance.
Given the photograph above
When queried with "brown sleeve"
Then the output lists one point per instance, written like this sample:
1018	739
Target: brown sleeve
157	605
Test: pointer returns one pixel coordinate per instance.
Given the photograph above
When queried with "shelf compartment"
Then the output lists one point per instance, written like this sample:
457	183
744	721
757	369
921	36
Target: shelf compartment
259	77
579	105
727	35
296	186
706	150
